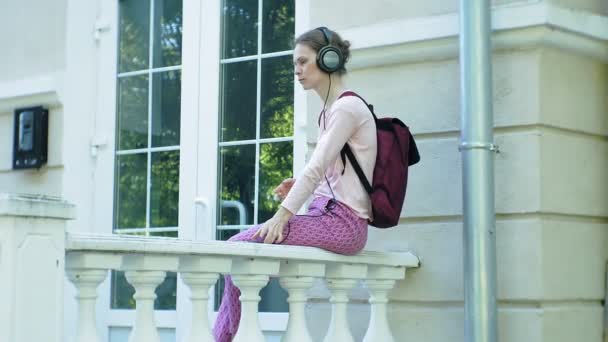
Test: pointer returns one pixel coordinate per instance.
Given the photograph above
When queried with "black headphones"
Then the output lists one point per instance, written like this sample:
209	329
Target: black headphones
329	57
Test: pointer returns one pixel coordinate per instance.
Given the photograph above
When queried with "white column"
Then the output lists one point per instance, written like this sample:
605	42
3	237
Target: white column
250	286
338	327
378	324
199	273
340	279
250	275
296	326
32	259
145	283
380	280
199	284
297	277
86	283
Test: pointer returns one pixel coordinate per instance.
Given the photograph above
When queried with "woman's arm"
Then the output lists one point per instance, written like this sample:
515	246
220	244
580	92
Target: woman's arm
341	125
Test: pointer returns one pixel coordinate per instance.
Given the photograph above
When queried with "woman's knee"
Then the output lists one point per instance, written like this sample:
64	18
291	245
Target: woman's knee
244	235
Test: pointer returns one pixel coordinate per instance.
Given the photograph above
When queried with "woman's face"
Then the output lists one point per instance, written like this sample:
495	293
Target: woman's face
305	67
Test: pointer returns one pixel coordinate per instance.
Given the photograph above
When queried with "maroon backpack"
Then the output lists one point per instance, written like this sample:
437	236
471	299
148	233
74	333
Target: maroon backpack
396	151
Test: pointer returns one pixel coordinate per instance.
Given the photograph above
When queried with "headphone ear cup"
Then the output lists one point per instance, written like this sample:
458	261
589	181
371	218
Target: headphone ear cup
330	59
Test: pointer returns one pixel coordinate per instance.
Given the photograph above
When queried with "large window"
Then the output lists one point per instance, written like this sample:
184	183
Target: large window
256	115
146	182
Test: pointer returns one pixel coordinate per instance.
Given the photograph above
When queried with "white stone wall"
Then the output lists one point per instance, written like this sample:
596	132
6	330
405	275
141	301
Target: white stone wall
551	118
550	114
51	61
32	38
48	179
344	13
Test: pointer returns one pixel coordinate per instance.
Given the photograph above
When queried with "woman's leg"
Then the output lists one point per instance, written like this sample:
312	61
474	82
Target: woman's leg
339	231
229	313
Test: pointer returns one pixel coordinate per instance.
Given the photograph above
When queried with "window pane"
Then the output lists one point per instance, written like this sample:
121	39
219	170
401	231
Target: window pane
130	191
279	25
134	31
172	233
121	292
276	164
225	234
239	28
277	97
167	33
122	334
166	106
237	184
238	101
273	298
166	293
132	112
164	194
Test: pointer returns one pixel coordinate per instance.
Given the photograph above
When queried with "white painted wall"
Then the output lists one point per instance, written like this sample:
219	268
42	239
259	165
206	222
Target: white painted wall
344	13
550	109
32	38
551	123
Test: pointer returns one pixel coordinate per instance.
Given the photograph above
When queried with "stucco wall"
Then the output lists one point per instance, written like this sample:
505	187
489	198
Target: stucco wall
341	14
345	13
551	119
33	40
595	6
48	179
32	37
68	70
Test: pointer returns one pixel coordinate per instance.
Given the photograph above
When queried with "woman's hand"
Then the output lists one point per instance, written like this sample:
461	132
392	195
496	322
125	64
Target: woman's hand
272	230
283	189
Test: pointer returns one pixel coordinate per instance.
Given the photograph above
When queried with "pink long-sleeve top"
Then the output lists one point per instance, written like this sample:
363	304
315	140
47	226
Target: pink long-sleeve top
348	120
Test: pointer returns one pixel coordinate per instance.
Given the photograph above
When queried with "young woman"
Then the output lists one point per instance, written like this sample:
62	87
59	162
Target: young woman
337	217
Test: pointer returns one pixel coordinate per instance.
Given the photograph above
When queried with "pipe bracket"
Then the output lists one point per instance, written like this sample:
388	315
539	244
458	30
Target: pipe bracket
478	145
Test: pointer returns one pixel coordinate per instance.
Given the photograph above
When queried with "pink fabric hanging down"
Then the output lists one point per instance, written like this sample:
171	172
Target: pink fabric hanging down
339	230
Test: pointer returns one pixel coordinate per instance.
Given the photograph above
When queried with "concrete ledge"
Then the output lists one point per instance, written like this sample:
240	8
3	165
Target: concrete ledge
515	27
41	90
77	242
38	206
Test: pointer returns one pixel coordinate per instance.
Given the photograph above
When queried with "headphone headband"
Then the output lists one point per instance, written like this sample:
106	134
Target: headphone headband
326	34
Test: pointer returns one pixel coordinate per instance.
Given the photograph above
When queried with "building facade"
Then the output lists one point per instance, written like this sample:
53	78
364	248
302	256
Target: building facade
153	104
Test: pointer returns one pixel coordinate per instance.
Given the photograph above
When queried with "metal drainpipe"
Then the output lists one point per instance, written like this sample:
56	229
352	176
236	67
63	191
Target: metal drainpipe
478	150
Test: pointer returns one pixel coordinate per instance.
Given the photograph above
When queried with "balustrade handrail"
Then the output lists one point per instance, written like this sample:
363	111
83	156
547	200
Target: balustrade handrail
83	242
145	261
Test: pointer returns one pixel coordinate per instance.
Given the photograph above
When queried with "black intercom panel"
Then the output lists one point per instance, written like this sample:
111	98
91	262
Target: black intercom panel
30	145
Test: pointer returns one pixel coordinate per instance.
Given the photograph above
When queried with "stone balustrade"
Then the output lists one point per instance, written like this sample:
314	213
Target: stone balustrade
145	262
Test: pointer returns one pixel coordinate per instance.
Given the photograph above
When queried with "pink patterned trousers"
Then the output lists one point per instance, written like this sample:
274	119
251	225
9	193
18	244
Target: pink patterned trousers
337	229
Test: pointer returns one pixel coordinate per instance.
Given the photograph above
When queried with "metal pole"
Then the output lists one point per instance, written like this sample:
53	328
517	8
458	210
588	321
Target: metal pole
478	172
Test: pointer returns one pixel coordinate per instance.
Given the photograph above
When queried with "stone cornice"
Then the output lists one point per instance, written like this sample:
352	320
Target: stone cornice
40	90
39	206
521	26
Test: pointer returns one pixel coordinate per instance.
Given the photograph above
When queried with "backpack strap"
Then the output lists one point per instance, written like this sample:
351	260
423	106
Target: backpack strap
347	152
369	106
351	156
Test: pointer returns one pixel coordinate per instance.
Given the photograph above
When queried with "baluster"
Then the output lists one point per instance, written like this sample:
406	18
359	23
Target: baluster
378	329
382	280
250	286
145	283
86	283
340	279
250	275
297	278
199	274
199	284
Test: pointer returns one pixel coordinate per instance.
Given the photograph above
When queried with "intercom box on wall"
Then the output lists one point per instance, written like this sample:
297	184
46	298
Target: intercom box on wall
30	145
